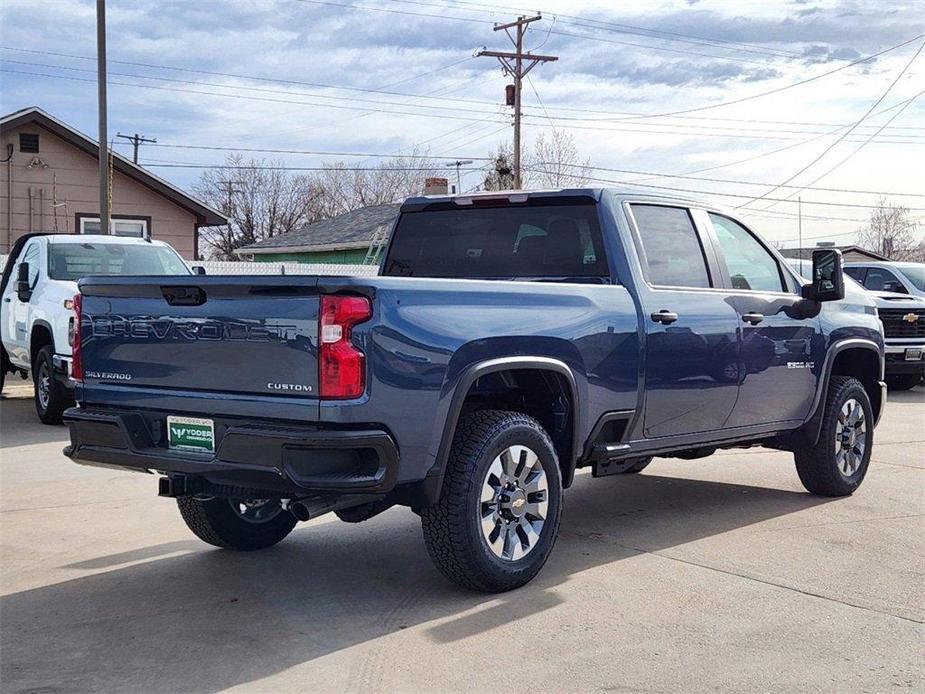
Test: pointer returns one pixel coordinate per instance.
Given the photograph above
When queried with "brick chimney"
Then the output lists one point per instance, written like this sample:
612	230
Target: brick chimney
435	186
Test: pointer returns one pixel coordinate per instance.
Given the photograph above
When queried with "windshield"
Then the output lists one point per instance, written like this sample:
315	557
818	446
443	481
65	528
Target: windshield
71	261
915	274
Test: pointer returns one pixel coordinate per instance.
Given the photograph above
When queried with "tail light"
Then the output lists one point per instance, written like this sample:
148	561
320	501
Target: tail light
73	338
341	366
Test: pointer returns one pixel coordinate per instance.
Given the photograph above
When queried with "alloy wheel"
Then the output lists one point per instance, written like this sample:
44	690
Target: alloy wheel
514	502
850	437
256	510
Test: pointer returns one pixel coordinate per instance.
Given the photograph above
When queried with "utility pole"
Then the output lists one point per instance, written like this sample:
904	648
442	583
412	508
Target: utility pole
513	65
800	221
101	107
136	140
457	164
229	187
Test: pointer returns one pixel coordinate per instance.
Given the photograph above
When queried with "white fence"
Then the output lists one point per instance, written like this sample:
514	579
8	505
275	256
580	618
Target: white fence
222	267
225	267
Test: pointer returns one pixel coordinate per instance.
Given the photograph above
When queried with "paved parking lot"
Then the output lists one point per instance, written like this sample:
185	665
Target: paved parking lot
696	575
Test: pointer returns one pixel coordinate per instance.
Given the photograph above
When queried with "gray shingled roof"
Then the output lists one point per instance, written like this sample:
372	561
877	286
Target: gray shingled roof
346	231
807	253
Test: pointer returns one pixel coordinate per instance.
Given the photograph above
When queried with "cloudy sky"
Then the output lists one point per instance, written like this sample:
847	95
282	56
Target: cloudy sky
738	97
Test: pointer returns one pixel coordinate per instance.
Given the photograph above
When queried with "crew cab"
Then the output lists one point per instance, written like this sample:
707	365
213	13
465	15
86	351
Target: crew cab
37	314
510	340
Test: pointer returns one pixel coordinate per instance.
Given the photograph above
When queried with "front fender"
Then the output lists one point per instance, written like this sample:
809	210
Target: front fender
813	424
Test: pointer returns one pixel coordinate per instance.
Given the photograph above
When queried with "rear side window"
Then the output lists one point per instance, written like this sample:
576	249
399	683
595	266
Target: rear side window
525	242
673	254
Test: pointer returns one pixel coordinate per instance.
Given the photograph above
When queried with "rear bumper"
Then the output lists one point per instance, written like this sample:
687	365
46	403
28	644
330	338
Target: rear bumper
293	460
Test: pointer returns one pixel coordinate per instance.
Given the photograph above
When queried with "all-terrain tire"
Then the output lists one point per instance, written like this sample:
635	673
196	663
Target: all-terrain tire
215	521
452	529
817	465
51	398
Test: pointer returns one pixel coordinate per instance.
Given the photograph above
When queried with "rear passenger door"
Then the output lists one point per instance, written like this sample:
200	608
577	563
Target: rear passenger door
691	353
780	349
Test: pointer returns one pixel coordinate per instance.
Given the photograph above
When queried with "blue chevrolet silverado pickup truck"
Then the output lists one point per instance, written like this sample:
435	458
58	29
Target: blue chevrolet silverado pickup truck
509	339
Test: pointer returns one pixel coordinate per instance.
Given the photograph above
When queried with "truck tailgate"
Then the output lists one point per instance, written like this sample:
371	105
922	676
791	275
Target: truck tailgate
248	335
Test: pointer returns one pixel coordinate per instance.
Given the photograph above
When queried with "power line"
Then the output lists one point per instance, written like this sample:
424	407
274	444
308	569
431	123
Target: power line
325	153
561	33
714	131
777	90
782	149
626	115
659	115
856	150
623	28
729	180
736	195
256	78
846	133
441	116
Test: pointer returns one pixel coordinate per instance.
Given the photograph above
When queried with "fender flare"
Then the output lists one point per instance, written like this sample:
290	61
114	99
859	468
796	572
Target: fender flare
40	323
813	424
461	389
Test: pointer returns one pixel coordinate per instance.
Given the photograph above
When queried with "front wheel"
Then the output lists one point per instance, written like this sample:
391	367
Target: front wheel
51	398
242	524
498	515
837	463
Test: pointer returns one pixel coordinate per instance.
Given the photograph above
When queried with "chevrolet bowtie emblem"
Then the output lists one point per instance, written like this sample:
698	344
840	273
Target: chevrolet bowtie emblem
911	317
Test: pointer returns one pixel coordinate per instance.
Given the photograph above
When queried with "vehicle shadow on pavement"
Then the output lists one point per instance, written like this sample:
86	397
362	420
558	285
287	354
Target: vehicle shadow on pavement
206	619
19	424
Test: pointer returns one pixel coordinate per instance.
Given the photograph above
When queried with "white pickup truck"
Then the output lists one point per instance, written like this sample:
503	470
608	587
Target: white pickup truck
38	287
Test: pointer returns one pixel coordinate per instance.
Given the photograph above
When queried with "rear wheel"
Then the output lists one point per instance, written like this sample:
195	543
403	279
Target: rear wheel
498	515
837	463
903	381
51	398
242	524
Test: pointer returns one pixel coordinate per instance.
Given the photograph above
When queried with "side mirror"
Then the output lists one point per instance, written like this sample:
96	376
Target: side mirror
828	282
198	270
23	290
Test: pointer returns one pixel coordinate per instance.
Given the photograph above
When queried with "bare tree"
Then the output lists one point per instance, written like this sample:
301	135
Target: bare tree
341	187
891	232
260	199
500	174
556	163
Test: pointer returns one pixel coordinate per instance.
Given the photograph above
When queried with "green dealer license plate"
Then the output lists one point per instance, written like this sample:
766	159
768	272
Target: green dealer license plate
191	434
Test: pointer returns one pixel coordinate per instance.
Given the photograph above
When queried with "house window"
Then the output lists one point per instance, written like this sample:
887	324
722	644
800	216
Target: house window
29	142
137	228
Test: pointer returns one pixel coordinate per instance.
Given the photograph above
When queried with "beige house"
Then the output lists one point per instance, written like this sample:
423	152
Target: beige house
49	182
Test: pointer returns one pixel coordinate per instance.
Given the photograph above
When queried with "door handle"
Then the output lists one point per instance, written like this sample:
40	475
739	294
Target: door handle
7	300
665	317
753	318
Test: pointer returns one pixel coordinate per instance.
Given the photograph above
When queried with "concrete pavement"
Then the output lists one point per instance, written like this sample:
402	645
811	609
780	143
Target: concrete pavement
693	576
